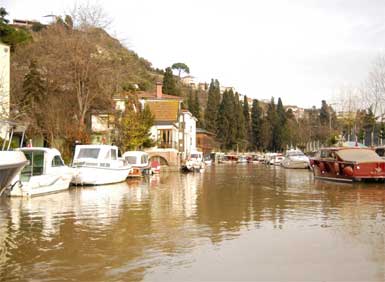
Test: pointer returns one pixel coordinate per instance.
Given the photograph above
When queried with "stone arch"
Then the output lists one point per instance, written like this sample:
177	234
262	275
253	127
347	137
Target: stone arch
160	159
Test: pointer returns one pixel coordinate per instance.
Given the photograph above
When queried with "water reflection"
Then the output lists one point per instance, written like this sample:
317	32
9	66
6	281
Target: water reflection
165	227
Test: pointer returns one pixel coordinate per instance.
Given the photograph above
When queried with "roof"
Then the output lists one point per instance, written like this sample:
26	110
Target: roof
152	96
164	110
359	155
204	131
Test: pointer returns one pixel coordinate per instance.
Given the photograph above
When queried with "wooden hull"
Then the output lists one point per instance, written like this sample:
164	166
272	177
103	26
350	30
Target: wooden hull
348	171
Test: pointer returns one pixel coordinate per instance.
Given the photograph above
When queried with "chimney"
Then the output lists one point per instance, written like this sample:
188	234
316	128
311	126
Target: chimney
159	90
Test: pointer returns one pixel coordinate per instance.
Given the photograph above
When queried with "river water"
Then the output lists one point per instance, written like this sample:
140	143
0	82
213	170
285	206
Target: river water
229	223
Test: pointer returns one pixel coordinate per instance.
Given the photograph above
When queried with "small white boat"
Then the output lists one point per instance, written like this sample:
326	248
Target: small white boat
194	162
11	162
139	163
45	173
208	161
276	159
295	159
242	160
98	165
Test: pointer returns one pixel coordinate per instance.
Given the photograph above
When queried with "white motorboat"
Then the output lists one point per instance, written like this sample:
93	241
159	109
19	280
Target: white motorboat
139	162
295	159
242	160
11	162
276	159
195	162
98	165
45	173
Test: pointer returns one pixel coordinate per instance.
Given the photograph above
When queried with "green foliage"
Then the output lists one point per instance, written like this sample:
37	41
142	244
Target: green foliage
133	127
169	83
324	114
239	123
193	104
381	133
256	125
227	129
212	107
180	67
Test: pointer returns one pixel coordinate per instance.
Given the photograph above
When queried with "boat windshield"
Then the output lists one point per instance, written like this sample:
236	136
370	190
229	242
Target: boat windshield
131	159
295	154
359	155
91	153
195	156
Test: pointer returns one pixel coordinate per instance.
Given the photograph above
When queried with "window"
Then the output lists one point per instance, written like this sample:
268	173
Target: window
113	154
131	159
91	153
57	161
35	166
144	159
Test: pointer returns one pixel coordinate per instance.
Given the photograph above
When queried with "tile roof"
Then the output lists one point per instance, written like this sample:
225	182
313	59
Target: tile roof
164	110
152	95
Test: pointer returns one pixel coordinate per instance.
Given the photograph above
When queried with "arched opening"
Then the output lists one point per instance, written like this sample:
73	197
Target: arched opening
161	160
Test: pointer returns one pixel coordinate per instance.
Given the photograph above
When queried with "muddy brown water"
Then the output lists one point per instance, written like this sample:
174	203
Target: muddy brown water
229	223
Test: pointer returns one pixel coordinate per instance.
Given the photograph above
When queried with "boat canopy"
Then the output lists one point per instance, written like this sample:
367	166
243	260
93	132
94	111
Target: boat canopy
359	155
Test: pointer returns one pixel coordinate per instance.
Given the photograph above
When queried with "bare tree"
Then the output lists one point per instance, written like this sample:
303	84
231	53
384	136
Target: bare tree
86	15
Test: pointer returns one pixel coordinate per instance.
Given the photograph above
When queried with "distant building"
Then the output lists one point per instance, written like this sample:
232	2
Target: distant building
226	88
206	141
24	23
299	113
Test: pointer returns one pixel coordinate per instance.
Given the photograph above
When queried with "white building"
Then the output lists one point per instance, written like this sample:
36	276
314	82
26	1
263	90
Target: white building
4	83
187	133
4	80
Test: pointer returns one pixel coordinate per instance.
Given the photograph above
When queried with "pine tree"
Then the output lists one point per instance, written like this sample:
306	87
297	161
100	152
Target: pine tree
34	90
212	108
256	125
324	114
169	83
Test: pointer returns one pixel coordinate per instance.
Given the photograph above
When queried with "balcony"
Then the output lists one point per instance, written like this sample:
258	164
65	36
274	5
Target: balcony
167	145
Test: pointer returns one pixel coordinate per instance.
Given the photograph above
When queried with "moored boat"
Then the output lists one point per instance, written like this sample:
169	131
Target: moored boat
45	173
139	163
348	164
295	159
98	165
195	162
11	162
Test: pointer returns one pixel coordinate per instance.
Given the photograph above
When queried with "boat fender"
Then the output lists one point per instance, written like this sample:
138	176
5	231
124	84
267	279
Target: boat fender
348	170
336	167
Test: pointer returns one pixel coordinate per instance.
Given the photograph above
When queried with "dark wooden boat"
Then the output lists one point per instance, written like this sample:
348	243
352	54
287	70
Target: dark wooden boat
348	164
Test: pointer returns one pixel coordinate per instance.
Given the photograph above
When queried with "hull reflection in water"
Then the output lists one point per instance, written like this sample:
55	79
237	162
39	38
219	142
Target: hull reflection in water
229	223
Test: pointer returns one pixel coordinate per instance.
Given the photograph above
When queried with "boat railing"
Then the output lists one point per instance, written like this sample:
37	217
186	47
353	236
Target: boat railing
7	130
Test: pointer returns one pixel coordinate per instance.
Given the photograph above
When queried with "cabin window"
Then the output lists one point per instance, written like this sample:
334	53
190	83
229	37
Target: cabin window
144	159
35	166
325	154
91	153
131	159
57	161
113	154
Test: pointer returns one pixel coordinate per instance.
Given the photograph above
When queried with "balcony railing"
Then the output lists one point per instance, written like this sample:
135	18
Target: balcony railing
167	145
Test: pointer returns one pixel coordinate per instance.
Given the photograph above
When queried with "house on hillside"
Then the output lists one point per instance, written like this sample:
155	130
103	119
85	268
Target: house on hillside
174	129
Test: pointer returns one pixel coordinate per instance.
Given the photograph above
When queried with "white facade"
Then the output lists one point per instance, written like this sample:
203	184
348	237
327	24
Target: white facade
188	132
4	80
4	83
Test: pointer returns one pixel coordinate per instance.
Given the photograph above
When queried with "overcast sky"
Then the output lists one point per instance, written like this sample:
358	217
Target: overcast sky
301	51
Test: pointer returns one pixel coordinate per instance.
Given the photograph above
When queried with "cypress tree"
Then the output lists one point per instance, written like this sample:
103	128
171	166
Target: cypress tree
169	83
196	107
212	108
272	122
280	126
246	114
324	113
239	122
256	125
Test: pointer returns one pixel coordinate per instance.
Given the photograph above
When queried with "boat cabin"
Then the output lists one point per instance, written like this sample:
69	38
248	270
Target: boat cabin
97	156
41	161
348	164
